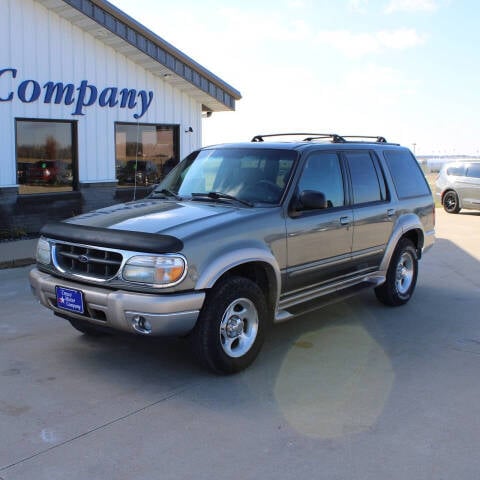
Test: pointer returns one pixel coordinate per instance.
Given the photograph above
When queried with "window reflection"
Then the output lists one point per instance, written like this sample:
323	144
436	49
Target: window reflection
44	156
144	154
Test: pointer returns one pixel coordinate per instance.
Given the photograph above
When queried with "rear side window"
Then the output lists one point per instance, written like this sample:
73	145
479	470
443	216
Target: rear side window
406	172
366	185
474	170
457	170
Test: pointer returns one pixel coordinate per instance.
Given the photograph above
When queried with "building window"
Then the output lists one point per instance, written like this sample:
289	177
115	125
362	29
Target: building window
144	154
46	153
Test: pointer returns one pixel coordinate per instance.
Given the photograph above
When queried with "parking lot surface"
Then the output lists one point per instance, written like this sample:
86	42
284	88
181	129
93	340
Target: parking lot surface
354	391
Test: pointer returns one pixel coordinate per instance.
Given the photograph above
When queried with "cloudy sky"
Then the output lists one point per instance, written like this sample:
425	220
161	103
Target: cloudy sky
405	69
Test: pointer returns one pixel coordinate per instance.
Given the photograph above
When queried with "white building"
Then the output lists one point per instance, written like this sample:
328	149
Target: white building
94	108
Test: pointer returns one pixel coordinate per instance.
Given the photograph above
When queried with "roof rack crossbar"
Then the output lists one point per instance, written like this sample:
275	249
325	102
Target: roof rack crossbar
378	139
310	136
335	138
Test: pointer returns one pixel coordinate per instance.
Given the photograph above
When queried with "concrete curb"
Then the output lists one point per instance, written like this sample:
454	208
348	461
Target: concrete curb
21	262
17	253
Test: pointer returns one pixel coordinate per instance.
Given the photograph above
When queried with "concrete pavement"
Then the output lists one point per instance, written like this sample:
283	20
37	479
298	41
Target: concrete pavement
354	391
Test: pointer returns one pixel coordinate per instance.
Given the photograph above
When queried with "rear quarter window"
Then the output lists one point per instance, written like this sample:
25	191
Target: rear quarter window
474	170
457	170
407	175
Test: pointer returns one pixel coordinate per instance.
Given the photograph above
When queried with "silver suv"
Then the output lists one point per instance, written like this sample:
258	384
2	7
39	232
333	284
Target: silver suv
458	186
240	236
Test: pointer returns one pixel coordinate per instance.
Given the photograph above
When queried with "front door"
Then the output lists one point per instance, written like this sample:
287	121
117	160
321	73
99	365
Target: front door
319	242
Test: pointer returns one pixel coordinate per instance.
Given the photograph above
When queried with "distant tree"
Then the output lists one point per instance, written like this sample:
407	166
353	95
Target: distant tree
51	147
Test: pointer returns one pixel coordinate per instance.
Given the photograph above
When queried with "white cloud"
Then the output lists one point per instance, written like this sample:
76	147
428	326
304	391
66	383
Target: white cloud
296	4
360	44
411	6
359	6
400	39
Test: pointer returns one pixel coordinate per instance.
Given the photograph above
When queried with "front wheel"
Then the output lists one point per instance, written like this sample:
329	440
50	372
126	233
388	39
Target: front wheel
401	275
231	327
451	203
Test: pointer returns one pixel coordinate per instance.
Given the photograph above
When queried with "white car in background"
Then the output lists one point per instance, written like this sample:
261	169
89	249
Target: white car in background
458	186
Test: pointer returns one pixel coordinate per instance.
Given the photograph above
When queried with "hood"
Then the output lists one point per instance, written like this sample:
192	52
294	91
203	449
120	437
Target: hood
177	218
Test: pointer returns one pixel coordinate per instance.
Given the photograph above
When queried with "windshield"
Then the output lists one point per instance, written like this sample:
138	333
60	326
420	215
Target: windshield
249	175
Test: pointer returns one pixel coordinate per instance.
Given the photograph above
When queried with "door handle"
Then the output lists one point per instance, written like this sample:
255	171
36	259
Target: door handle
390	212
344	220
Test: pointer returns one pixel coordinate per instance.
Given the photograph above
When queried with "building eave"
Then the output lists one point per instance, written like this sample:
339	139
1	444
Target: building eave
115	28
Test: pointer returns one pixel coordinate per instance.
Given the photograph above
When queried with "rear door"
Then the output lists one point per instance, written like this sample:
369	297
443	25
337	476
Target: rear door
471	191
372	213
319	242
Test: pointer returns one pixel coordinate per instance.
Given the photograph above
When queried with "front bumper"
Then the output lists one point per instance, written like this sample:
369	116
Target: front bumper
167	314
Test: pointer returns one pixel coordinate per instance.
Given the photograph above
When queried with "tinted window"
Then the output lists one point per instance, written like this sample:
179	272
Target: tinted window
457	170
254	175
322	173
474	171
407	176
365	182
144	154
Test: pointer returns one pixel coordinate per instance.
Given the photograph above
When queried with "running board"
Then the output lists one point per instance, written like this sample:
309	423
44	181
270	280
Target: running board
322	301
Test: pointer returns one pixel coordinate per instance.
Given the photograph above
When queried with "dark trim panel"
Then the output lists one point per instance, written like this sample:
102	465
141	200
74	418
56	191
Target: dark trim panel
112	238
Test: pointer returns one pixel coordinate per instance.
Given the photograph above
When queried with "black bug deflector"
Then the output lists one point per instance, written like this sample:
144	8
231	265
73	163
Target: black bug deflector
112	238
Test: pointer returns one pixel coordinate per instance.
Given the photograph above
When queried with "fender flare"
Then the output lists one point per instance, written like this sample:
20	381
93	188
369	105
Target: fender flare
235	258
405	224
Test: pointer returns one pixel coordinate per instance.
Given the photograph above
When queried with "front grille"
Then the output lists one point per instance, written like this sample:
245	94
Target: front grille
87	261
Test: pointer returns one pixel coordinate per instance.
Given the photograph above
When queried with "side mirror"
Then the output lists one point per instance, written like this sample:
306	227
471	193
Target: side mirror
312	200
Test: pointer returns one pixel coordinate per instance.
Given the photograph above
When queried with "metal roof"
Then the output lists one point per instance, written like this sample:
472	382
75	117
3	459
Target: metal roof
115	28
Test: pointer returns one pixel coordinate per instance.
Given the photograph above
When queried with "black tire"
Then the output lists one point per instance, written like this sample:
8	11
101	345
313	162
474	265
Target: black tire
87	329
231	327
401	275
450	202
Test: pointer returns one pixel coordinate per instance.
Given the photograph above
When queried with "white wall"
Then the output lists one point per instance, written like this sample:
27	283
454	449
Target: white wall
45	47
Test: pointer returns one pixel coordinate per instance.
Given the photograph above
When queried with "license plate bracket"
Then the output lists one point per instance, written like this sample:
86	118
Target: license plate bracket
70	300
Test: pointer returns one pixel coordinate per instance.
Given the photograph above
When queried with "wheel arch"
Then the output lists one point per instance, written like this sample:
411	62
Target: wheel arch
260	273
258	266
409	227
417	238
448	190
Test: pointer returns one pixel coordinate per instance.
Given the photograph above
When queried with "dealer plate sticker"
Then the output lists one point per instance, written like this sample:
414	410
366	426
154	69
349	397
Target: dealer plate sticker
69	299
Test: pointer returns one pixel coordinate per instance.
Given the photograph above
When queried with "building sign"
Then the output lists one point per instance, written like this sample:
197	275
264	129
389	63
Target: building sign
80	96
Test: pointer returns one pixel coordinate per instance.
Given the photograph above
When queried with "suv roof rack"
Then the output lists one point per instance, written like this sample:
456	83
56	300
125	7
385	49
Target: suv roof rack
335	138
377	139
310	136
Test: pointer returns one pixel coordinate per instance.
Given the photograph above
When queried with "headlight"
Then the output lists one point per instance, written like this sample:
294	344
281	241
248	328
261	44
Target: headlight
155	270
43	252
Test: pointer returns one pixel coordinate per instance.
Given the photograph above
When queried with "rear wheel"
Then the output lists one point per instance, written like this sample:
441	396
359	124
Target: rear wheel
450	202
401	275
231	327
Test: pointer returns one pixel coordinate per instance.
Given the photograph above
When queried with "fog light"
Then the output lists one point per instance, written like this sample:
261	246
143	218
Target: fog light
141	324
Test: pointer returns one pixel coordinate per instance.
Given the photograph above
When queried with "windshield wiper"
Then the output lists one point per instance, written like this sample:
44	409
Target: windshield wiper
165	192
220	196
